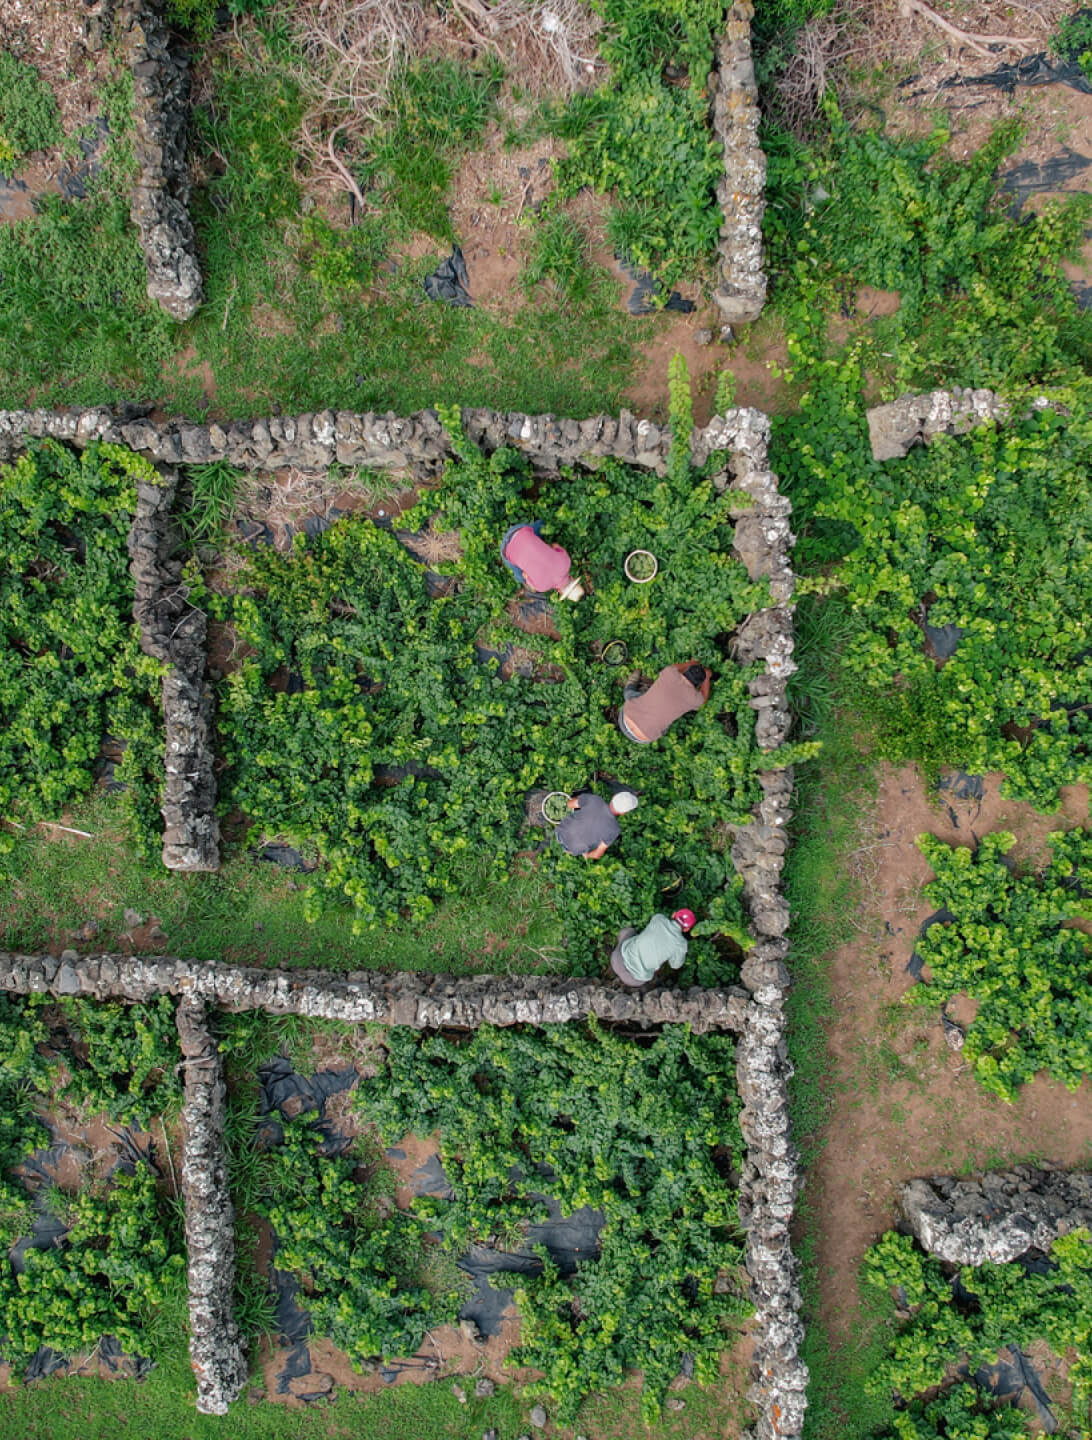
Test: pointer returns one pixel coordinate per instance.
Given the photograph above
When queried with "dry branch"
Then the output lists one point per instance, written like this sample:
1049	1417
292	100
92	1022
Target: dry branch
907	8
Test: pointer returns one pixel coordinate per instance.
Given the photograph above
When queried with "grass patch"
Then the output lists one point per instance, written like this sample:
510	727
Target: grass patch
252	912
29	117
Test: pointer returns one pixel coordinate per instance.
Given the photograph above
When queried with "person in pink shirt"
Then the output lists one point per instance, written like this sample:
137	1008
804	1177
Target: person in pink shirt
534	562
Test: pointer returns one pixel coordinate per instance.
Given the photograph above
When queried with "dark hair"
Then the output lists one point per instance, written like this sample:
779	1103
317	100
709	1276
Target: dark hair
696	675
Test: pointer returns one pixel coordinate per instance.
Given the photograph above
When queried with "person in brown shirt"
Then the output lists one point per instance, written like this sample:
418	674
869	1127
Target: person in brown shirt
651	710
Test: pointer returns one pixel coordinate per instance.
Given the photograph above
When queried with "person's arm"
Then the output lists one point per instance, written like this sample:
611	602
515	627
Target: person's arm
574	802
596	854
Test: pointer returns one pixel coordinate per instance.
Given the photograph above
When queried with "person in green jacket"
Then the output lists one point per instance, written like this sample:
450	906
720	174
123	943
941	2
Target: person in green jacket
637	957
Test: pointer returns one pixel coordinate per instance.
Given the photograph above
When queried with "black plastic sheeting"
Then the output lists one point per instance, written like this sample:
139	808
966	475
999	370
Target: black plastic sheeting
1009	1376
1031	178
647	290
1029	70
944	639
449	281
282	1089
286	856
943	916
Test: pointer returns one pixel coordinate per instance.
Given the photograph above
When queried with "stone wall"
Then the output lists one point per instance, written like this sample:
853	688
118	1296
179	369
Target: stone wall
160	203
999	1216
770	1178
216	1351
914	419
741	291
415	443
173	631
412	998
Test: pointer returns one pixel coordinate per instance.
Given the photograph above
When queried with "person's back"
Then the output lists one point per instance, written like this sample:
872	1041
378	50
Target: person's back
588	826
662	942
672	694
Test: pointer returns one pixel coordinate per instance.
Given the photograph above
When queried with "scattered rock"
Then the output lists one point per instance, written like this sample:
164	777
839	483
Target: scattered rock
954	1035
133	917
490	1435
674	1403
87	931
484	1388
459	1393
703	337
727	335
538	1417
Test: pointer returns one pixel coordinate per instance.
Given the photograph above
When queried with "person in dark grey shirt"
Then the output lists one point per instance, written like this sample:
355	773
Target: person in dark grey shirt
590	825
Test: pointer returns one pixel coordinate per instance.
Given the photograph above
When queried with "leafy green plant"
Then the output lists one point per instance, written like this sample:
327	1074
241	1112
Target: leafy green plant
71	669
362	1267
119	1264
644	1134
212	490
1003	1305
24	1074
392	689
29	117
962	1413
1072	40
647	140
1008	948
132	1057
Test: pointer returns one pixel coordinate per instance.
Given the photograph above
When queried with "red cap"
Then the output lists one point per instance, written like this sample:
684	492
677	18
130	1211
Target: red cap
686	918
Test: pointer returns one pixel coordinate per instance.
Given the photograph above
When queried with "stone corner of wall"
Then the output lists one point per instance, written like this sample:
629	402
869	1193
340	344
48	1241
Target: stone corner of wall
997	1216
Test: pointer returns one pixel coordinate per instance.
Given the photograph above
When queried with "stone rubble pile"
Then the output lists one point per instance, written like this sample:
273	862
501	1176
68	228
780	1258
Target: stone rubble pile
160	202
741	193
998	1217
216	1351
409	997
173	631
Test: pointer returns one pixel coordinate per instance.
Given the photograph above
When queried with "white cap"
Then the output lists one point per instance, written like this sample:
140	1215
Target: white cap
623	802
572	591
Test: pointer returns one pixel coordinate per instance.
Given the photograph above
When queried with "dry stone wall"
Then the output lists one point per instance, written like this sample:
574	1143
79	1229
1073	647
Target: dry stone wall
216	1351
416	443
160	202
741	291
412	998
173	631
999	1216
770	1177
915	419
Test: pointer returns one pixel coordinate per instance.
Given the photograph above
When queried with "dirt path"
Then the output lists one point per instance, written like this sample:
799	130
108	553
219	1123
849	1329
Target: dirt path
904	1103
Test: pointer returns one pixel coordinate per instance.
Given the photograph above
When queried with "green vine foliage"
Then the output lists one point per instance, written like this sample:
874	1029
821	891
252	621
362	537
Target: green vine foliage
119	1265
363	1266
989	532
1008	949
962	1413
1007	1305
390	678
24	1074
647	140
131	1067
71	669
643	1133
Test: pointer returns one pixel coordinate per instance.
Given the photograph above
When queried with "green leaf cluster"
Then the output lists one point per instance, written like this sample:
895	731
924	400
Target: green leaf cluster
127	1059
363	1271
71	669
1009	949
118	1265
962	1413
644	1133
29	117
1000	1305
646	138
387	677
24	1073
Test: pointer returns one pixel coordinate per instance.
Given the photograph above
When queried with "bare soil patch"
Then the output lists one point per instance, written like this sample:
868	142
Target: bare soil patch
905	1103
